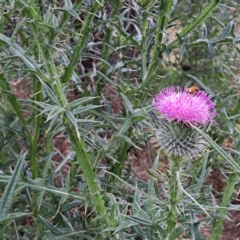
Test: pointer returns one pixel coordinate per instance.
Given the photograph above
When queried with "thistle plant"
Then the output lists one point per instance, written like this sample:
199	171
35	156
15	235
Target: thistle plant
179	112
88	69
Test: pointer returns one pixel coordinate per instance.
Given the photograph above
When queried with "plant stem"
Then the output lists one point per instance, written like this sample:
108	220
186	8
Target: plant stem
37	124
143	46
122	154
204	14
79	146
162	21
82	39
84	162
175	164
218	223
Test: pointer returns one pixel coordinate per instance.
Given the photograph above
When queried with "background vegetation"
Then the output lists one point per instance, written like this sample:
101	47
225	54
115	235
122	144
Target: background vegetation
77	80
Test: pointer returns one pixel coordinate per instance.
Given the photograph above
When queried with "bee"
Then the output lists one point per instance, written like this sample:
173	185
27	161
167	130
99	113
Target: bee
193	89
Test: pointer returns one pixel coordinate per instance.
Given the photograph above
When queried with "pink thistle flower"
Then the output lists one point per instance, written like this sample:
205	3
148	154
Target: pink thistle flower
177	104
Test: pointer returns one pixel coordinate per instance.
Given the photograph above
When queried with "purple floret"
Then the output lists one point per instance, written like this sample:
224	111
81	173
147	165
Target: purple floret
177	104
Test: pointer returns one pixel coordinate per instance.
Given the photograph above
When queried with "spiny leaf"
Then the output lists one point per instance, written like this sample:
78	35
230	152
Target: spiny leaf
226	156
227	30
6	199
50	227
204	14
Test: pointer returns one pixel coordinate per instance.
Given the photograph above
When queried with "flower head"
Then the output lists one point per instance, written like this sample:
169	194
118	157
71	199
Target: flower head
177	104
179	140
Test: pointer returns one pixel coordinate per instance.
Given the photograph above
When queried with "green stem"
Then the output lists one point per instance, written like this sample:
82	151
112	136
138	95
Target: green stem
175	164
121	158
82	39
82	155
85	163
218	223
48	144
37	124
143	45
122	149
162	21
37	97
52	74
167	5
106	51
105	56
204	14
79	146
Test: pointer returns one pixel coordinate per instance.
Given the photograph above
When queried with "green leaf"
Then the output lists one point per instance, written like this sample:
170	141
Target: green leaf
124	127
68	4
204	32
222	153
50	93
16	50
128	140
128	104
67	222
227	30
72	119
40	198
80	101
151	186
64	237
200	83
15	215
179	39
55	111
210	48
73	13
6	199
37	185
67	189
50	227
82	109
15	104
203	174
123	225
204	14
176	233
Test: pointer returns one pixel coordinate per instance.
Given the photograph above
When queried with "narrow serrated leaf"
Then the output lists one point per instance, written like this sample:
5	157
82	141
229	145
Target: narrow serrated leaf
82	109
204	32
80	101
124	127
227	30
128	140
176	233
211	48
12	216
54	112
40	198
203	15
73	13
6	199
50	226
200	83
128	104
72	119
203	174
68	4
225	156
